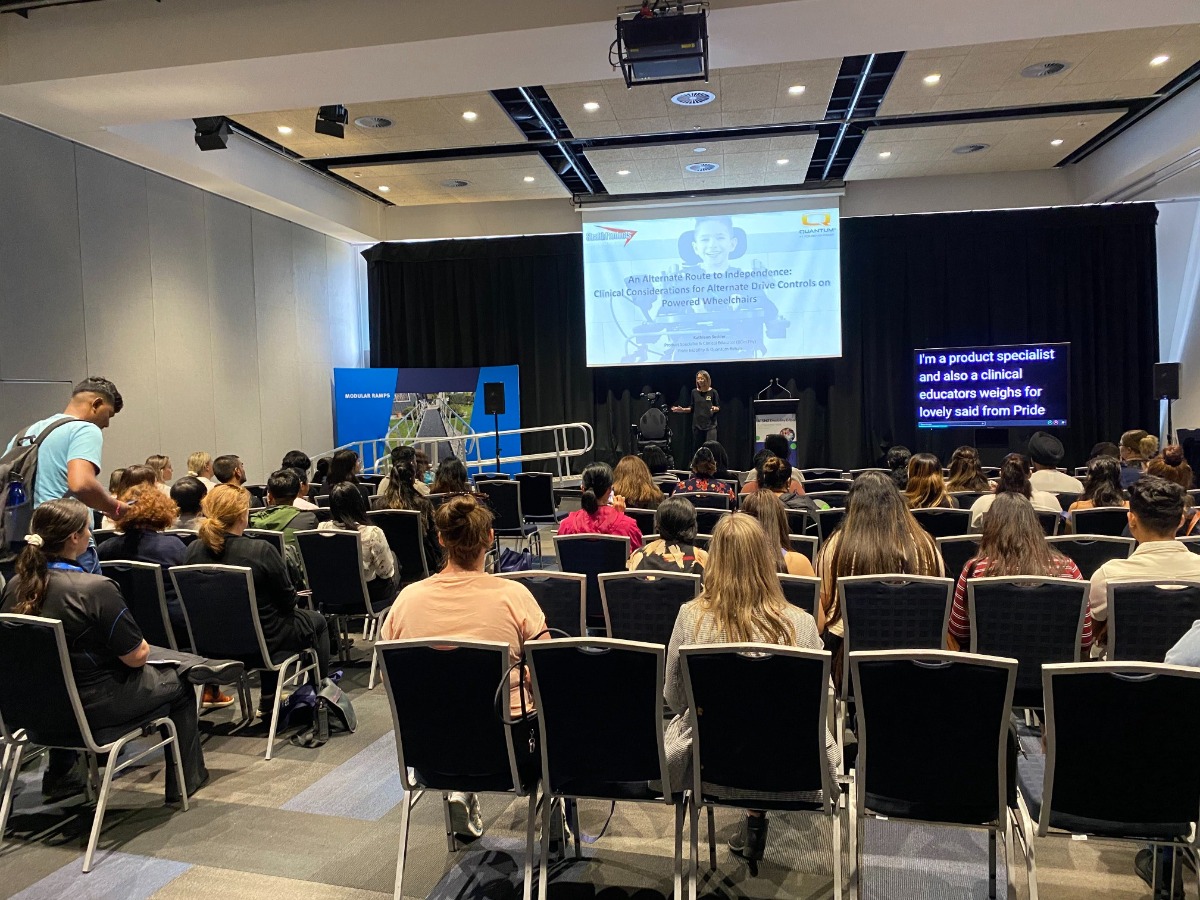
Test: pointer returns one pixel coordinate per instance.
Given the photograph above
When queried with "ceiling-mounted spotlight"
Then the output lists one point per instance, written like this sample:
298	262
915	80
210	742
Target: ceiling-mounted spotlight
331	120
662	44
212	133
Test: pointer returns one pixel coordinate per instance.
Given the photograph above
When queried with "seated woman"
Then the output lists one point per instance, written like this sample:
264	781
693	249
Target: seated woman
704	478
163	473
720	457
349	513
188	493
285	627
632	480
343	466
965	472
451	477
896	460
1172	466
775	475
765	506
926	489
879	536
131	477
601	511
1014	479
401	492
462	601
108	652
675	550
741	601
1013	543
1102	487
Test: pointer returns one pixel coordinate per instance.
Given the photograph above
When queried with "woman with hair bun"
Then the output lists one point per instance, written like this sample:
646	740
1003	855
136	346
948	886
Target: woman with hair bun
1172	466
601	511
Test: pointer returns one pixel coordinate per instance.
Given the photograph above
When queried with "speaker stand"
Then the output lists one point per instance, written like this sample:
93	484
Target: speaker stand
1170	424
496	425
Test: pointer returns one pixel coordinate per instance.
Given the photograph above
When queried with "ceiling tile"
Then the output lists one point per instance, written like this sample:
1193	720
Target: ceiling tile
489	179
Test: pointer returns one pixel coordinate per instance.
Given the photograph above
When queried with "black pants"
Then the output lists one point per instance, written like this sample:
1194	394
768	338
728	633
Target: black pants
309	630
701	435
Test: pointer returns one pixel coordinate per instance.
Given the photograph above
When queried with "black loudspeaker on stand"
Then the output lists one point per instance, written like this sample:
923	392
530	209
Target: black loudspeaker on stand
1166	387
493	405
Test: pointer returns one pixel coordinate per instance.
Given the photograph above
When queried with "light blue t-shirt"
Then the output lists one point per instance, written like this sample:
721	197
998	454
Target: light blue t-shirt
75	440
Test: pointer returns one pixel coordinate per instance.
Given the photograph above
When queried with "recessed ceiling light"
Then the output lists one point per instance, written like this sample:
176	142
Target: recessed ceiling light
885	154
781	162
1159	60
285	129
699	149
622	171
384	188
470	116
357	174
529	178
591	106
933	78
1056	142
796	89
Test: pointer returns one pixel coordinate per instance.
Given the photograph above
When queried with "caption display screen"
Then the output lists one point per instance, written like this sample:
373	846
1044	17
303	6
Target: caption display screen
993	387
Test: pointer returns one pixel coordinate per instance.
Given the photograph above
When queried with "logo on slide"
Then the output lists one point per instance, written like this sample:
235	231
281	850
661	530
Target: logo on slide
816	220
613	234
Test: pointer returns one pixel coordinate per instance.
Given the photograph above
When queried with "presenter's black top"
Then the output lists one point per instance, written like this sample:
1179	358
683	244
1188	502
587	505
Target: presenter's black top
98	626
703	417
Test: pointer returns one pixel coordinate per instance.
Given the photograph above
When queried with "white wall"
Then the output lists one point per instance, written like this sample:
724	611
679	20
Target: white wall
219	324
1178	293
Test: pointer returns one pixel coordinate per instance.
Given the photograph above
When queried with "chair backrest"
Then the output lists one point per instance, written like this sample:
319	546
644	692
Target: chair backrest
404	530
652	425
836	499
966	499
901	776
802	591
894	612
609	739
184	534
854	473
145	595
1066	498
707	519
491	476
258	491
562	597
100	535
828	521
537	494
801	521
591	554
34	655
705	499
438	499
956	551
1090	551
272	537
504	497
334	566
1033	620
1146	618
944	522
222	613
759	715
1192	542
442	695
643	606
804	543
643	517
1111	520
809	474
814	485
1051	522
1148	712
322	500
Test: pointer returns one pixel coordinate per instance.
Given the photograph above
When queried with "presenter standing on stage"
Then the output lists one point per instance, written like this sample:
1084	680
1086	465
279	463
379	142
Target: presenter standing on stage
705	405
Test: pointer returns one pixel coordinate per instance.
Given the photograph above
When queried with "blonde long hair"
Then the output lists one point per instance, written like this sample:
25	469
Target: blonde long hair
741	585
223	506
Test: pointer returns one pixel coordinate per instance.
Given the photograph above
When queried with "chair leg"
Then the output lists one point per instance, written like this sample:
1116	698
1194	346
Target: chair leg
1025	836
12	770
694	847
544	862
279	685
101	804
840	712
177	760
530	827
712	840
405	812
680	812
93	781
856	841
836	823
991	864
374	669
451	841
573	824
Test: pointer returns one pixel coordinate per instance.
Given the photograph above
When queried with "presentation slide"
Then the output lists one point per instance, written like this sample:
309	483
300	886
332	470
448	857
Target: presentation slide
993	387
712	288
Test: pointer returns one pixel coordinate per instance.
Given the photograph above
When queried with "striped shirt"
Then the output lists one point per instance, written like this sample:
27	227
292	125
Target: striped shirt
960	622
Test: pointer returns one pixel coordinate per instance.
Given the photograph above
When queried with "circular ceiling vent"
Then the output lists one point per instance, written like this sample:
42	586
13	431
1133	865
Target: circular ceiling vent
1042	69
693	98
971	148
703	167
374	122
455	183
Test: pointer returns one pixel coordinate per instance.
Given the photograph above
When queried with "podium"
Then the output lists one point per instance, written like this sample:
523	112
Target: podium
775	417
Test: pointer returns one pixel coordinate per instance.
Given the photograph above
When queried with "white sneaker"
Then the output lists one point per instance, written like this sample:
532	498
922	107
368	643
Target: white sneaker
465	819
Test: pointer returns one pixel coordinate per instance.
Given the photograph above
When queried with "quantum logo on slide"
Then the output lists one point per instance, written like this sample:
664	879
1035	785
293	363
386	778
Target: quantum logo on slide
816	223
609	233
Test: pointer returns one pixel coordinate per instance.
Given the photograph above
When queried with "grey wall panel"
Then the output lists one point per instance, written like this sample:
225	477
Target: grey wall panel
346	313
233	337
312	318
24	402
39	256
274	277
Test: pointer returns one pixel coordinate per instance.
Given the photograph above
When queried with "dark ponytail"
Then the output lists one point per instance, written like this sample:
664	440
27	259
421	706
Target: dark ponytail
1014	476
52	525
597	481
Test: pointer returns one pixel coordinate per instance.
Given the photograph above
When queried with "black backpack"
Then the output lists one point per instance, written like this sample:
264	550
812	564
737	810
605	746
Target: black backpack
19	467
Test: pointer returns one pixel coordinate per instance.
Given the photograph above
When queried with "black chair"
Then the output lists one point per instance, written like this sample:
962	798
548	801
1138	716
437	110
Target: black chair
1066	498
706	499
1148	711
835	499
653	429
508	518
491	476
966	499
990	471
322	500
827	521
145	596
1192	542
591	554
448	736
100	535
643	606
898	777
258	491
223	623
759	715
707	519
322	514
804	543
801	521
272	537
1032	620
802	591
944	522
1110	520
643	517
1090	551
538	503
817	485
1146	618
854	473
404	530
46	711
808	474
680	474
610	746
438	499
956	551
562	597
1051	522
184	534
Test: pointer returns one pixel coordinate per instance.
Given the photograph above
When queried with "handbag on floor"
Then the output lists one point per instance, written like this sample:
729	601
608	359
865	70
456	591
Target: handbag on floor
329	704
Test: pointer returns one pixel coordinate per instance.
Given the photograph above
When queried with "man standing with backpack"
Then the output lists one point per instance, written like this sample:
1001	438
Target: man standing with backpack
68	457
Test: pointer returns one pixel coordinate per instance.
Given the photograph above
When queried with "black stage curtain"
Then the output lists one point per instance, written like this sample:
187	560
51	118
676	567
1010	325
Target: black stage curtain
1085	275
